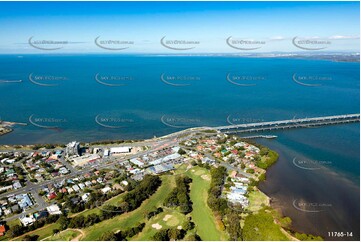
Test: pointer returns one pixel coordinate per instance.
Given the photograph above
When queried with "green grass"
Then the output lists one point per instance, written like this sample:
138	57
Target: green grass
113	201
65	235
202	215
174	221
256	200
128	220
43	232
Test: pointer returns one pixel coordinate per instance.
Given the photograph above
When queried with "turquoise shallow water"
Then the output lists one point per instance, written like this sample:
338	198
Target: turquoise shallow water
97	97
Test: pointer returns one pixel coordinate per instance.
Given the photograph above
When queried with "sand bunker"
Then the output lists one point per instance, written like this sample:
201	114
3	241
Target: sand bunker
206	177
157	226
166	217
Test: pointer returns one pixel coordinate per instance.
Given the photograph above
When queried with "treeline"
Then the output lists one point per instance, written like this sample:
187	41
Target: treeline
153	213
131	201
177	234
18	230
215	202
103	142
95	199
169	234
123	235
179	197
47	146
219	205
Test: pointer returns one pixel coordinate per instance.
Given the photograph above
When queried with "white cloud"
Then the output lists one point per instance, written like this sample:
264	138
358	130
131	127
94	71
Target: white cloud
337	37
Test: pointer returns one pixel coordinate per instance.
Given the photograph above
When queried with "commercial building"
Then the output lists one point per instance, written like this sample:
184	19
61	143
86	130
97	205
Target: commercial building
82	160
120	150
72	149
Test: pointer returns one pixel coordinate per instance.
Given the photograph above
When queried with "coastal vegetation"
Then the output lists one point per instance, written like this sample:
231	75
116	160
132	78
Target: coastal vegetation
261	226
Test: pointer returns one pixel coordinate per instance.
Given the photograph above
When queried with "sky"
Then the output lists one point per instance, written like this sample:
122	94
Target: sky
178	27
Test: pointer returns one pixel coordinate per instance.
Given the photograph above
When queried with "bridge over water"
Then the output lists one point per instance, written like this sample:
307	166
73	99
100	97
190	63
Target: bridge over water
292	123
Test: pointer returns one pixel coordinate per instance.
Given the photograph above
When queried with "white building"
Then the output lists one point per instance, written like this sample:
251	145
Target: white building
106	152
120	150
76	188
26	221
82	160
85	197
137	162
53	209
106	190
72	148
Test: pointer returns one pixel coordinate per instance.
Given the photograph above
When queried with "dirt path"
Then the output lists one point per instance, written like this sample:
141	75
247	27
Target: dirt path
74	239
79	236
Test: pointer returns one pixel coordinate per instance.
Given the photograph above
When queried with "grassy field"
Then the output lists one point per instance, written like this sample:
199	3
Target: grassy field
169	218
43	232
202	215
131	219
256	200
65	235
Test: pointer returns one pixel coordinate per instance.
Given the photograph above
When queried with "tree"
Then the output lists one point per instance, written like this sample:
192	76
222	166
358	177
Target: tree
234	226
108	236
16	230
181	151
173	233
31	237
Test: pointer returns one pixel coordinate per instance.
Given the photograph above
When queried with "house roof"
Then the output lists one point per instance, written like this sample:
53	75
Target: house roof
2	229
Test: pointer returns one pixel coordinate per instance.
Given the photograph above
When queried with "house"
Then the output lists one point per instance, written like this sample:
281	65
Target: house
75	188
17	185
85	197
24	201
117	186
2	230
53	209
106	189
7	211
51	195
81	186
63	170
27	220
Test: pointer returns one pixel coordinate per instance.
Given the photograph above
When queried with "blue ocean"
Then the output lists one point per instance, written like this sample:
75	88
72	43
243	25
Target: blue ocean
101	97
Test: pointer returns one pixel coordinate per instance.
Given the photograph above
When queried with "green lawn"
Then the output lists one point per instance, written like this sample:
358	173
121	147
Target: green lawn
65	235
256	200
131	219
43	232
167	219
202	215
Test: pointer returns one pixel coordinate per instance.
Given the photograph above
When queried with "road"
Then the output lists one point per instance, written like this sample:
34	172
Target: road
34	188
155	144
